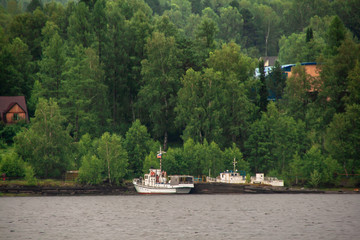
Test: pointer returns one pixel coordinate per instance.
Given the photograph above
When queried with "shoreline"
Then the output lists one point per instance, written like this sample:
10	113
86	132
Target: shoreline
128	189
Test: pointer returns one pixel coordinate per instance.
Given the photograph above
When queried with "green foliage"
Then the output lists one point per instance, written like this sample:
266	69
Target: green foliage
297	90
342	139
273	141
91	170
12	165
276	81
30	175
16	75
8	132
150	162
248	178
336	34
138	144
46	144
174	162
177	65
263	90
113	156
83	101
160	83
314	168
315	178
234	153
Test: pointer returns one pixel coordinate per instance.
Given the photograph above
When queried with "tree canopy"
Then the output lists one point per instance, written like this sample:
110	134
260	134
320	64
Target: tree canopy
108	82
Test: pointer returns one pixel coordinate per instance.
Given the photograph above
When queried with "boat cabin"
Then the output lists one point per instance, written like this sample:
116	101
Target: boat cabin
232	177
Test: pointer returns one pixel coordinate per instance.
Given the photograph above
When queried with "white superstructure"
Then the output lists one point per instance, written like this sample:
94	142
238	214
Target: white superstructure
236	177
240	177
156	182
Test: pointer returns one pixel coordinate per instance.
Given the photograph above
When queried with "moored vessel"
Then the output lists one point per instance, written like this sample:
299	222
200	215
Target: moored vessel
157	182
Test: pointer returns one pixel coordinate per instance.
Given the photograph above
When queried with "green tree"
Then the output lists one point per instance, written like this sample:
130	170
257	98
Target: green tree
80	30
342	139
230	24
235	87
83	100
206	33
27	26
46	144
139	29
113	156
298	48
34	4
268	29
335	36
276	81
51	67
85	147
179	12
174	162
297	92
346	10
16	75
12	165
160	71
263	90
248	31
30	175
353	86
234	153
334	76
91	170
213	161
150	162
138	145
115	61
100	27
273	141
198	107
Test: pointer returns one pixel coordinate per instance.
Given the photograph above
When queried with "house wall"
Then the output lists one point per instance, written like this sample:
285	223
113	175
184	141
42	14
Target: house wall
314	73
309	69
15	110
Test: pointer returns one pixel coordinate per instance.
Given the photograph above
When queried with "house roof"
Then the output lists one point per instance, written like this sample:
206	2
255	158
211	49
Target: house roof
269	60
7	102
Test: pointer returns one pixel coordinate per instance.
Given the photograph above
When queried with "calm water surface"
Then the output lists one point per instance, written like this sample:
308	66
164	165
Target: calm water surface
181	217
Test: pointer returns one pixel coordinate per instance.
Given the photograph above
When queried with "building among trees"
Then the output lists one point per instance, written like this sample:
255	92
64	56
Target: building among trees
13	109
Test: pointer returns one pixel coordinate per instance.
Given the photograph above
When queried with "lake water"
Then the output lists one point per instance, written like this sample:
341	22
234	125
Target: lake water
242	216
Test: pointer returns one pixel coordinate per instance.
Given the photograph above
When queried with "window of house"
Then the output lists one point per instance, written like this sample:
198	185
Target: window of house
16	117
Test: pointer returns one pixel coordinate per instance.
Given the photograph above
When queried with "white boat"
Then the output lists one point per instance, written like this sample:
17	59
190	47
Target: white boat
240	177
157	182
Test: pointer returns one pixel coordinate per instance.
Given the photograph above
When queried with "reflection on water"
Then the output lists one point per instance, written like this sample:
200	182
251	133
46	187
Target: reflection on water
181	216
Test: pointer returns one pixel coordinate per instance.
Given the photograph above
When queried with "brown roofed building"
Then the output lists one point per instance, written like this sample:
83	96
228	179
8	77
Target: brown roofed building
13	109
269	61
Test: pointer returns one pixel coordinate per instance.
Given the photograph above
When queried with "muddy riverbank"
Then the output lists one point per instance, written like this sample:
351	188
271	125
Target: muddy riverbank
128	189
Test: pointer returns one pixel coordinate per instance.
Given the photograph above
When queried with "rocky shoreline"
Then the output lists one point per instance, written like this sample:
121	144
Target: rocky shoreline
128	189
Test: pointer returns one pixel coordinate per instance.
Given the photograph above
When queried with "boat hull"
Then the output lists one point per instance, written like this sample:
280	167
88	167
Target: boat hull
142	189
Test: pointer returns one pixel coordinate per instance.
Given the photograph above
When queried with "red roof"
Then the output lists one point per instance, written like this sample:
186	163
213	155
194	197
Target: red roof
7	102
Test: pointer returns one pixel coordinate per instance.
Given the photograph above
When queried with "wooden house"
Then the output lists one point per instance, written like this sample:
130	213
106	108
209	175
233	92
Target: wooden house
269	61
13	109
311	70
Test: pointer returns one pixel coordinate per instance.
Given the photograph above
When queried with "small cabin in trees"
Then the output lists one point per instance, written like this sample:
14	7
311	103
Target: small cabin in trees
13	109
269	61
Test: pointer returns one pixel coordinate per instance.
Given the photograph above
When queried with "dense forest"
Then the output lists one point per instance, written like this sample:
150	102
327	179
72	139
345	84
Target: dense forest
109	82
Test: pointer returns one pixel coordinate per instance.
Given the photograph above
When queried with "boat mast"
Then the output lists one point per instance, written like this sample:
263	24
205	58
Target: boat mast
234	164
159	155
